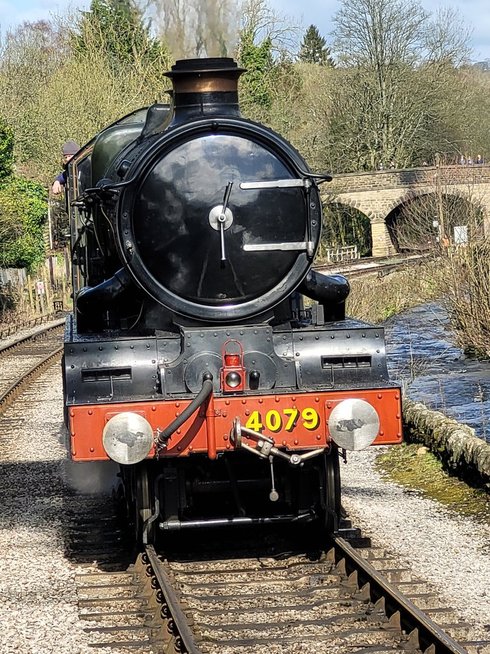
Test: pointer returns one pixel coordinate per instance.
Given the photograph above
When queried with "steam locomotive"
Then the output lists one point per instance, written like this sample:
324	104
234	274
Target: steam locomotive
204	354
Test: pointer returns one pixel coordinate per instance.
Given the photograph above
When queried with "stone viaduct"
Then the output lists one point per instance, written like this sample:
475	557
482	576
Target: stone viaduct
378	194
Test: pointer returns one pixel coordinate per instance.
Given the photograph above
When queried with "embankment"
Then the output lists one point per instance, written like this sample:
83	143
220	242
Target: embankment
454	443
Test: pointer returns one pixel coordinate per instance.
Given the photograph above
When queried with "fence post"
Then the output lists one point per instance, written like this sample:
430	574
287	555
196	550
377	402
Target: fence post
31	299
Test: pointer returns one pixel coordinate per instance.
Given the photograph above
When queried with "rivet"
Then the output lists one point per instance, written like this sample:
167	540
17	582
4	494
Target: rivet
225	437
247	412
318	437
90	412
153	408
284	443
296	441
379	396
261	401
92	449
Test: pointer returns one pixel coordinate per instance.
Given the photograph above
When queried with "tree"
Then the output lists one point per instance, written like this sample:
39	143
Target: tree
22	219
54	86
265	47
397	70
117	27
6	150
313	49
257	60
29	56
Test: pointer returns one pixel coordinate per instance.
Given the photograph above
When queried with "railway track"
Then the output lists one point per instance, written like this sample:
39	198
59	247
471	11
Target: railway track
284	596
373	266
24	359
274	594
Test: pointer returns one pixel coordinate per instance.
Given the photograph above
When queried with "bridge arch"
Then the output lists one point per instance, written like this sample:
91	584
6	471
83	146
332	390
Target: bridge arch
345	224
424	219
380	194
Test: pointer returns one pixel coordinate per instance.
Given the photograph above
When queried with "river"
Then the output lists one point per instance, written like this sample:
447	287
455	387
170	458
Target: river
432	370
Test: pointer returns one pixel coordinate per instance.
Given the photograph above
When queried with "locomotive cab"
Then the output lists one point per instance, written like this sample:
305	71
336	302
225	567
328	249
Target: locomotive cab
190	358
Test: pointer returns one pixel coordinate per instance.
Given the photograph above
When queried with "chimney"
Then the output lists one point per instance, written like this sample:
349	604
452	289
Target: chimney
204	87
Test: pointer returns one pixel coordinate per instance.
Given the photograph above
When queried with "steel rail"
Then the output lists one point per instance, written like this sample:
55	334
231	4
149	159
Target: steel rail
20	384
379	266
412	620
33	336
13	328
172	601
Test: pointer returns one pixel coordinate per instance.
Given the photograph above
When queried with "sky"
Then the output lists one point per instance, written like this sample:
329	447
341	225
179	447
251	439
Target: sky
474	13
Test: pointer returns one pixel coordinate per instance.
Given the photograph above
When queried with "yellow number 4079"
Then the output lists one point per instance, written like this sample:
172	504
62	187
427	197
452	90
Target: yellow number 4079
286	419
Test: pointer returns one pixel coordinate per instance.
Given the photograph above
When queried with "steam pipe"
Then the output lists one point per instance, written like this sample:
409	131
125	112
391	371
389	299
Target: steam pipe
331	291
96	298
326	289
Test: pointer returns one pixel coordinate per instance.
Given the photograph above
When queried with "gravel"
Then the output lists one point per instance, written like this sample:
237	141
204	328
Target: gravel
38	602
448	550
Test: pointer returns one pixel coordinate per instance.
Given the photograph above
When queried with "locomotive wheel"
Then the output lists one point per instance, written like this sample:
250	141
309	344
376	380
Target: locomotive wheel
141	501
332	508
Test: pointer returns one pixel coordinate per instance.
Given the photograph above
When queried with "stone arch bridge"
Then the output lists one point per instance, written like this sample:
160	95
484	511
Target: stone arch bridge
377	194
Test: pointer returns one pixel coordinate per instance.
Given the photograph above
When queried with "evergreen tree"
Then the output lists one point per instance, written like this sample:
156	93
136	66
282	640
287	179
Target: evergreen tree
258	61
314	48
117	27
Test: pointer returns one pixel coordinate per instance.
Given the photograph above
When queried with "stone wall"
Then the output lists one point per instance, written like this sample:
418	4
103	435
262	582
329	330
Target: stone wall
454	443
411	177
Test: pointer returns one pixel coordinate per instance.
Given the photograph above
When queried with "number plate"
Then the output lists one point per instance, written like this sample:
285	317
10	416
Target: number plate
283	420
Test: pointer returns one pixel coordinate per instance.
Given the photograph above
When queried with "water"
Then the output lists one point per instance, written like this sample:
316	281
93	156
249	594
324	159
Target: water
432	370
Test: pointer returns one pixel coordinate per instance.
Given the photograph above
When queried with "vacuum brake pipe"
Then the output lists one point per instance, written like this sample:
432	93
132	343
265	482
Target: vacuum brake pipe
197	402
